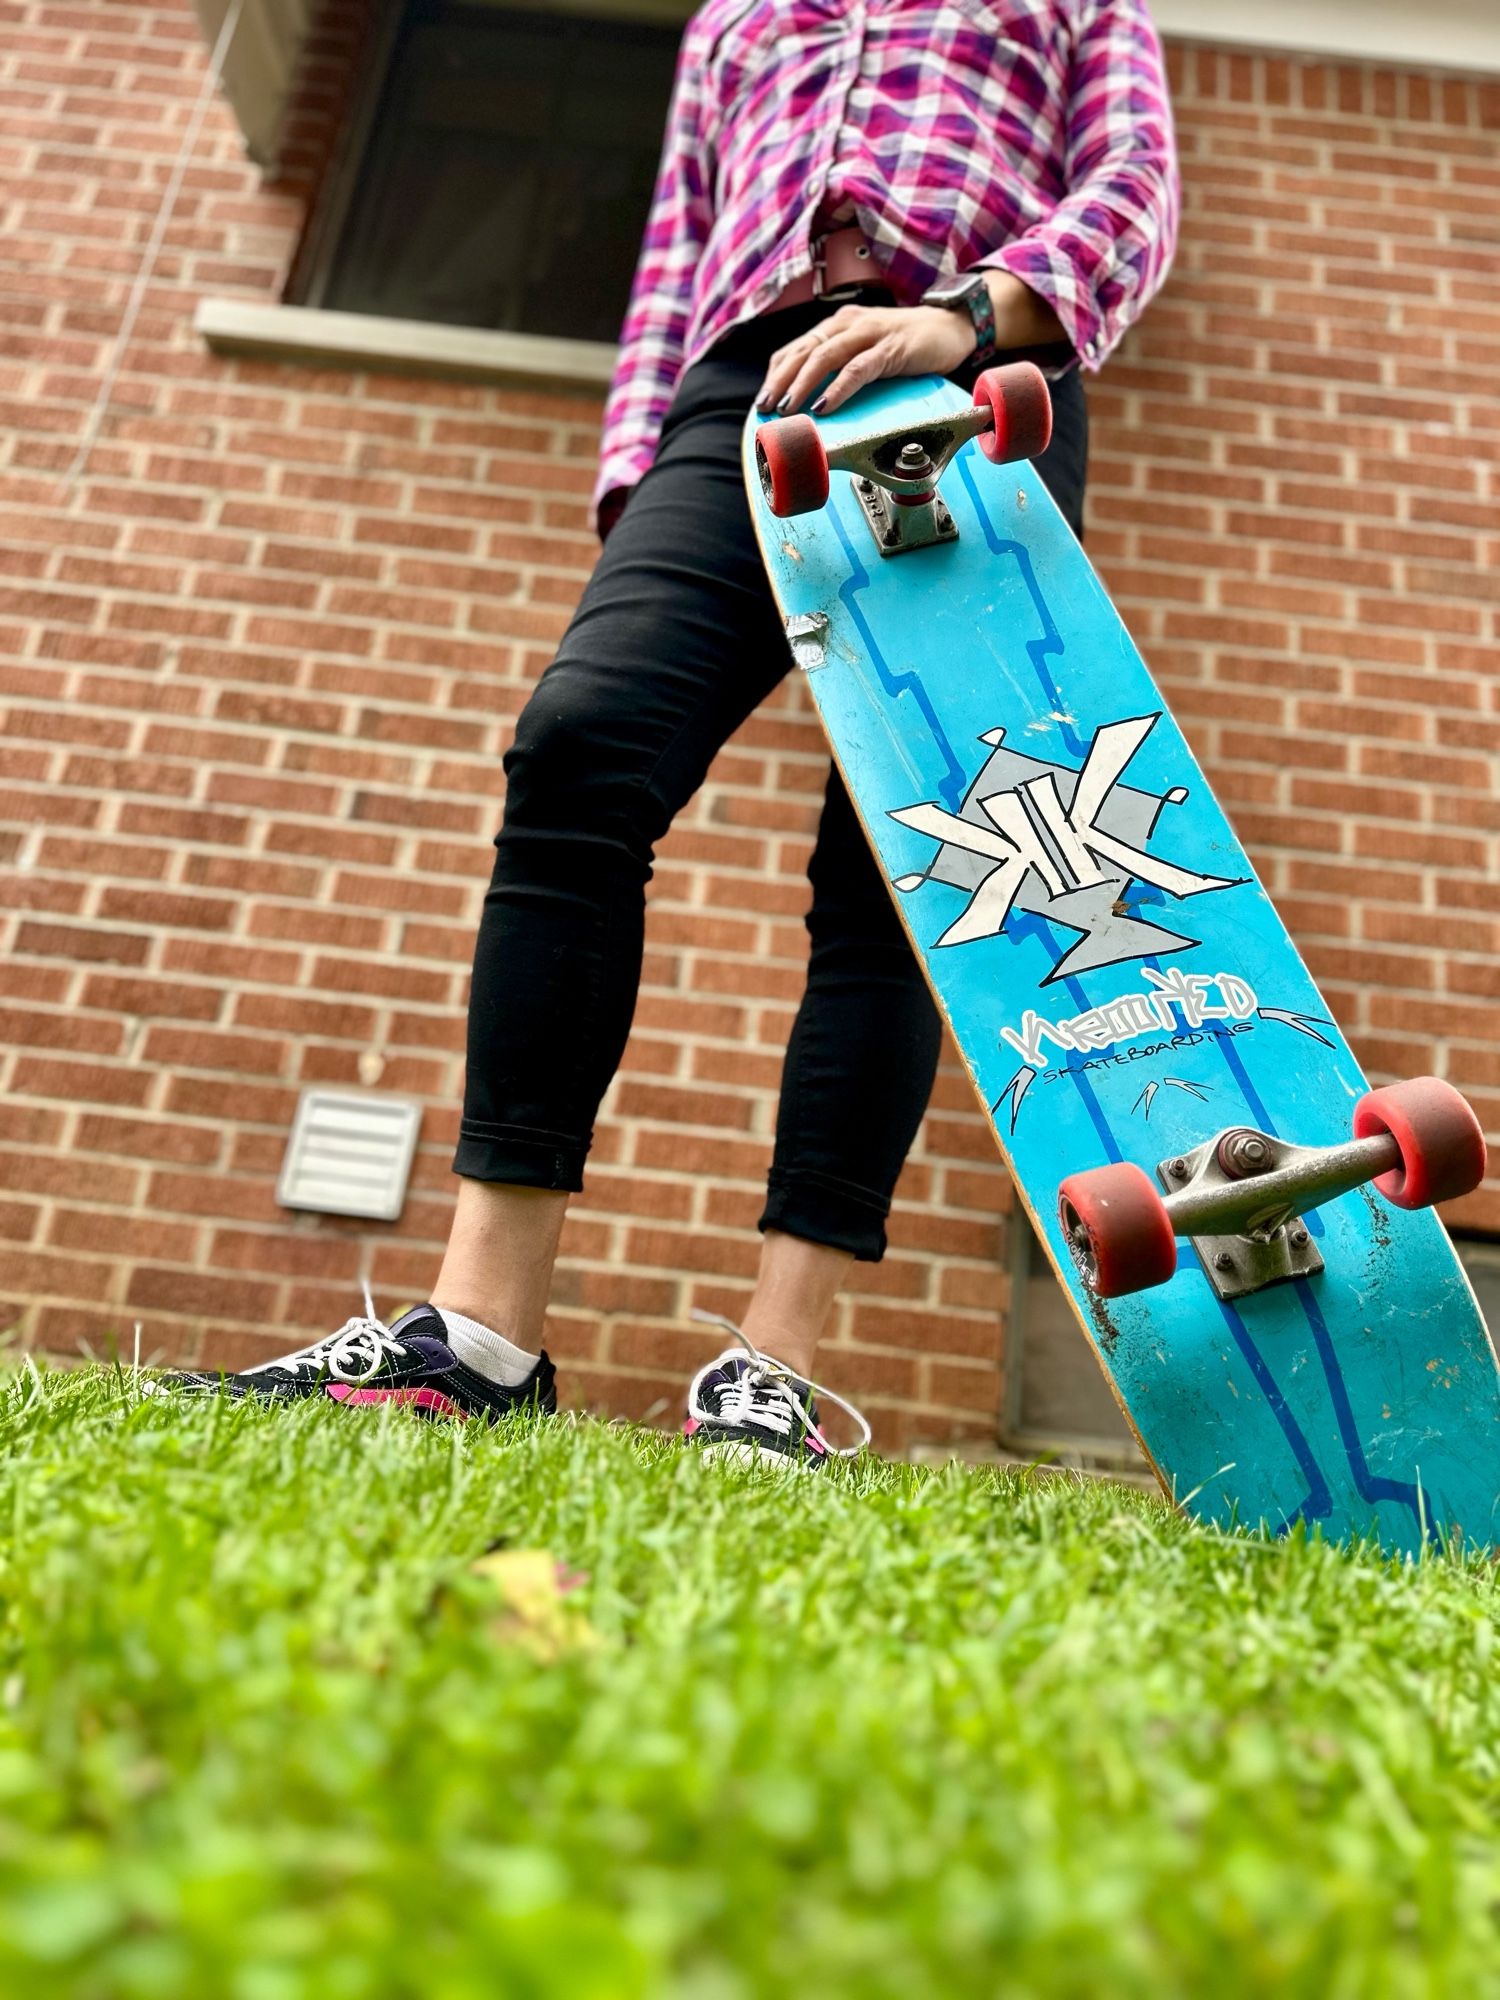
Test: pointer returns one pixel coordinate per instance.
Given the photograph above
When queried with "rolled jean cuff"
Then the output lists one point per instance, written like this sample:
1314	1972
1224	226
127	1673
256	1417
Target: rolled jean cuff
820	1209
519	1156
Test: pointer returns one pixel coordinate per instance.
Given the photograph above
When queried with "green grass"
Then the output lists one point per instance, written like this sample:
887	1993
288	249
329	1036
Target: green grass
266	1733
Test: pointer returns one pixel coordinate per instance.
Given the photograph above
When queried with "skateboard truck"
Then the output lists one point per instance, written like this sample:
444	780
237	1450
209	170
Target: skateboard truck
1238	1197
901	504
895	472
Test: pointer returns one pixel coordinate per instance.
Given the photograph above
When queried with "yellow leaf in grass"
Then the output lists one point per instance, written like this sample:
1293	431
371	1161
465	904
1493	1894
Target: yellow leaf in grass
535	1614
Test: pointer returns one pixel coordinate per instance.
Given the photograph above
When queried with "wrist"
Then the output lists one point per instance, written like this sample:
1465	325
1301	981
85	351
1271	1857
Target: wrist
966	301
955	326
1023	317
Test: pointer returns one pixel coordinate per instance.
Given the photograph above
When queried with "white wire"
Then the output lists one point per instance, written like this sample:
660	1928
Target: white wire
105	397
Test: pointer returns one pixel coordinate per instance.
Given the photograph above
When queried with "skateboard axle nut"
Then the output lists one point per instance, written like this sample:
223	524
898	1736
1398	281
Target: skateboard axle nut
1242	1154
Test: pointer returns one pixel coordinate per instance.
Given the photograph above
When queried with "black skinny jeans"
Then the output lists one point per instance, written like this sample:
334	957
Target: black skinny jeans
674	643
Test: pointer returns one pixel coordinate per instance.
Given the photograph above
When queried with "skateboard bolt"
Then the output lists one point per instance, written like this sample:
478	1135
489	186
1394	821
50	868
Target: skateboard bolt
1177	1169
1243	1153
1223	1261
1299	1237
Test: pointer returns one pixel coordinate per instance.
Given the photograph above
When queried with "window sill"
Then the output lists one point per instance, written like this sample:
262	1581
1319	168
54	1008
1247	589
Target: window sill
402	346
1445	34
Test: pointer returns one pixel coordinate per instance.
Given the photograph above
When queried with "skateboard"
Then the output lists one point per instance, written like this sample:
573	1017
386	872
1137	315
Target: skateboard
1243	1227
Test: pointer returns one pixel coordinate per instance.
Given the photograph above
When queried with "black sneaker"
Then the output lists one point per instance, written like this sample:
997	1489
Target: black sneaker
748	1406
366	1361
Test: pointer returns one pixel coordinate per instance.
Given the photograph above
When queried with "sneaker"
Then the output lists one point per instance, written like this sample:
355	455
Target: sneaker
366	1361
750	1407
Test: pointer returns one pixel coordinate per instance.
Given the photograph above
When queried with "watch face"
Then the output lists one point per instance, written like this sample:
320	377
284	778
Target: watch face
951	291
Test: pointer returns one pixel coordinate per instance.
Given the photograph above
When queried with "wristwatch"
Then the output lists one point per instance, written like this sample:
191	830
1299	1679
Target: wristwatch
968	292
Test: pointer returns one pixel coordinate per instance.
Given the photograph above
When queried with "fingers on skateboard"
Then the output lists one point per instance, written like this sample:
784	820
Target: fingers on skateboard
1011	417
1238	1197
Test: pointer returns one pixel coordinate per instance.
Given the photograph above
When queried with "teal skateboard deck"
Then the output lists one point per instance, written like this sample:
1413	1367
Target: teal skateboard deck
1122	990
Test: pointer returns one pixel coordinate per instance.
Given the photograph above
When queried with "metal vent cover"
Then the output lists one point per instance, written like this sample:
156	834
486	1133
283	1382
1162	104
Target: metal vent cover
350	1153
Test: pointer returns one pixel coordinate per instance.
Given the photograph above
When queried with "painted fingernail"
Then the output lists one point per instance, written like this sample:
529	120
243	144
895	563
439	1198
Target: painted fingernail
819	406
785	400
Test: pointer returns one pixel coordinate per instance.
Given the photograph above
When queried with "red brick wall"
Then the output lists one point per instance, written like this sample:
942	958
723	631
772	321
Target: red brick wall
261	658
1294	501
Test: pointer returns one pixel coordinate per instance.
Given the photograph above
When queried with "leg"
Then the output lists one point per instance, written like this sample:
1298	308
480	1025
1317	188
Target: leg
674	643
794	1294
497	1268
858	1073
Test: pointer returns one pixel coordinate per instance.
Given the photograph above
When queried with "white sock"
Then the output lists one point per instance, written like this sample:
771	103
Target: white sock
489	1353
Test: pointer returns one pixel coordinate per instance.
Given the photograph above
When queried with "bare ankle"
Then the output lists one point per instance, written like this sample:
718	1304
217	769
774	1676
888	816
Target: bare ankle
794	1297
498	1265
795	1347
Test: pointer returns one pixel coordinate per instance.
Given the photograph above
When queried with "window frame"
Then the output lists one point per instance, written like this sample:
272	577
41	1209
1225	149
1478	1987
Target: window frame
312	262
312	265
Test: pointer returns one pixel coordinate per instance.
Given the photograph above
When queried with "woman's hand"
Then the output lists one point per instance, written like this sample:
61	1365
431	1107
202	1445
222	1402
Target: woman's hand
861	344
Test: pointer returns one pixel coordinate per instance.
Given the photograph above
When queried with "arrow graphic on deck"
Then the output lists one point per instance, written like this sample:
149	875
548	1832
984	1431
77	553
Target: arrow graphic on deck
1015	1090
1305	1024
1148	1095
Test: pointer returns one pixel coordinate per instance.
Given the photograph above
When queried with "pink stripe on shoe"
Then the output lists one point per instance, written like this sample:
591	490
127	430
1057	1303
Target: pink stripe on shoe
423	1399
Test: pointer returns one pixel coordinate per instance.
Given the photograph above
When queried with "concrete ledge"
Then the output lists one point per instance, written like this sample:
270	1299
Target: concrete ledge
402	346
1462	35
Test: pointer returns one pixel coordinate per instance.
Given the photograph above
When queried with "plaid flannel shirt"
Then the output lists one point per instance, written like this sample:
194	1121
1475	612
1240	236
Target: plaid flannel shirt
1030	136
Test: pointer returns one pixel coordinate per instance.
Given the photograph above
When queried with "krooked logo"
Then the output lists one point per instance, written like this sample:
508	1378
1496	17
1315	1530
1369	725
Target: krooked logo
1064	845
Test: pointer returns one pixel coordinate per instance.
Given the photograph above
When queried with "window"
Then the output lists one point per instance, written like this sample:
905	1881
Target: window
499	171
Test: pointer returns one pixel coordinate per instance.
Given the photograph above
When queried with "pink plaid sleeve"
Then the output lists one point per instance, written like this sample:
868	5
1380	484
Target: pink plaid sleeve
652	338
1100	255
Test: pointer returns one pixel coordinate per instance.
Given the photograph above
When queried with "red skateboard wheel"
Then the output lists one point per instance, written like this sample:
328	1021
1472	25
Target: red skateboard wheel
1440	1140
1020	404
793	466
1118	1229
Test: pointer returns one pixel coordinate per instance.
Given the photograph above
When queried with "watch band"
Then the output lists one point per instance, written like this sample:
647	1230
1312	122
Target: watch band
971	295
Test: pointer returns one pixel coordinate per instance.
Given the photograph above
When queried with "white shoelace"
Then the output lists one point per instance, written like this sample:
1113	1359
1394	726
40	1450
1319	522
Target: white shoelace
765	1394
353	1354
